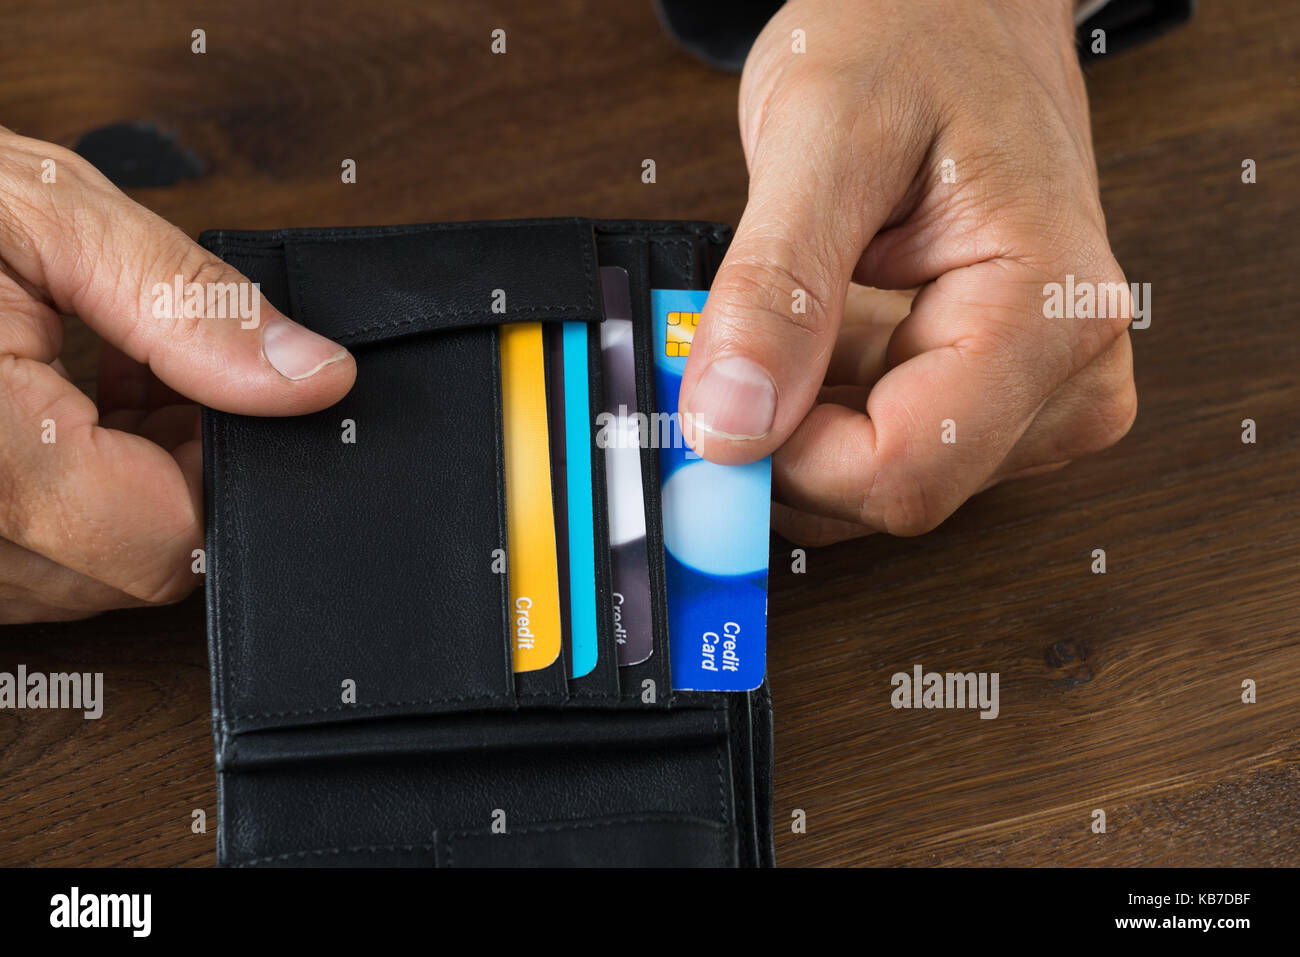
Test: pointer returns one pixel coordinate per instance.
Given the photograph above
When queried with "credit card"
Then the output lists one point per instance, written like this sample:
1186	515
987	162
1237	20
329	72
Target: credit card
620	437
530	520
575	523
716	520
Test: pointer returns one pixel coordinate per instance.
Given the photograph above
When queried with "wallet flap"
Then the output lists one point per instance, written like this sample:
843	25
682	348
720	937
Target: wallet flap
363	286
351	579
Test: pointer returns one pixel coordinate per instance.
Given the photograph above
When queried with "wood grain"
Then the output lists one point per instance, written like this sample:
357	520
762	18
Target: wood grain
1118	691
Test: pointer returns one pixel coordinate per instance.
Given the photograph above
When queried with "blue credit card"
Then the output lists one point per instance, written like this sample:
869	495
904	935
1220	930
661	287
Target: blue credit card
582	549
716	520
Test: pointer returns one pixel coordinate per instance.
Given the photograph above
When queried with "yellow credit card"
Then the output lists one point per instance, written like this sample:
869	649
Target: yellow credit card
530	518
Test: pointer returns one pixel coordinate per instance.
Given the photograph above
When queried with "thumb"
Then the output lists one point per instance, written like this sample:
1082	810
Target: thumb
117	266
760	352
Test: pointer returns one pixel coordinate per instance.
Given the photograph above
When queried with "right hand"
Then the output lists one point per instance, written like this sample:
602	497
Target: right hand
884	410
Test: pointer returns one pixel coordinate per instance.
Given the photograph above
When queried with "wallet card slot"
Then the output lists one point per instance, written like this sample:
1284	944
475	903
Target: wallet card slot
549	684
601	683
448	734
545	686
648	683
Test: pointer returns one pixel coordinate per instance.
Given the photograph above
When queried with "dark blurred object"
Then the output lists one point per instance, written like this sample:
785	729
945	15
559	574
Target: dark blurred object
722	32
1129	23
719	33
134	155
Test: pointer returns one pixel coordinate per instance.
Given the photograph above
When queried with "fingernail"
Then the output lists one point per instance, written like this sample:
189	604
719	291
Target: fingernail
736	399
296	352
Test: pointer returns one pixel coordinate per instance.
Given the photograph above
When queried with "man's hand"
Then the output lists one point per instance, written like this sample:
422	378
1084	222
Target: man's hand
884	411
101	507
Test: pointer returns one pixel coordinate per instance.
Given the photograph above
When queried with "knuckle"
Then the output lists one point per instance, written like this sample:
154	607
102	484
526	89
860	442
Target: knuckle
1112	313
27	504
161	574
23	162
1117	415
1106	412
30	328
819	537
12	505
199	266
180	263
908	508
899	501
808	531
67	594
22	168
1119	297
24	215
71	166
761	291
165	591
1093	306
812	86
33	515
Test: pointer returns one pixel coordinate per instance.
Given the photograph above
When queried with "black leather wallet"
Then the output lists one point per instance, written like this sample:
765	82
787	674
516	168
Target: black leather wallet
368	566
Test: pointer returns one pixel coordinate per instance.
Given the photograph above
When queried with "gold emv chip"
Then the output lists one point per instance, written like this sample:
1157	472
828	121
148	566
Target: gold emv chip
681	330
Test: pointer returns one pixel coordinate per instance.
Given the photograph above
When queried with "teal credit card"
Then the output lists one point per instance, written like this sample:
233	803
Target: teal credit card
716	521
581	604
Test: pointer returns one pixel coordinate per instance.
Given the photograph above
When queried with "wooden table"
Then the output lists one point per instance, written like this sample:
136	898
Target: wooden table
1119	692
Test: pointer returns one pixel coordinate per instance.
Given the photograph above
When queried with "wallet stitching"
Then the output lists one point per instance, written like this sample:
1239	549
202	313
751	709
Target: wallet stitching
607	228
555	826
722	789
239	249
459	699
222	609
561	826
323	851
268	238
257	252
332	233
